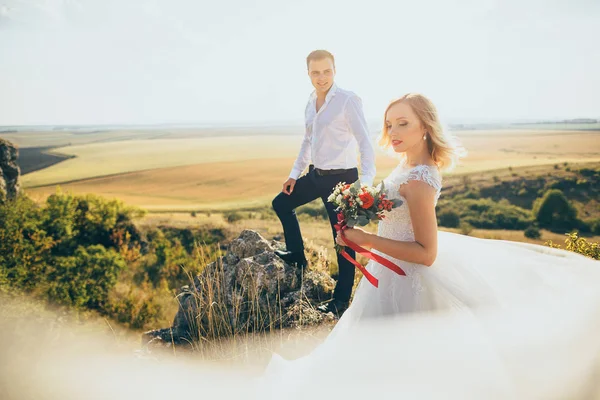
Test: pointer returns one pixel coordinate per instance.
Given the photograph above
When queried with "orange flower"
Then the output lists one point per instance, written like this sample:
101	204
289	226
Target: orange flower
367	200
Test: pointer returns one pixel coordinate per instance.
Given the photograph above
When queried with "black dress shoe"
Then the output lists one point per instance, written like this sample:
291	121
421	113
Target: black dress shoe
293	258
334	306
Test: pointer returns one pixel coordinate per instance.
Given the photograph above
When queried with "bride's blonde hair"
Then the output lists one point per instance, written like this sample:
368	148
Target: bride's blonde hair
444	149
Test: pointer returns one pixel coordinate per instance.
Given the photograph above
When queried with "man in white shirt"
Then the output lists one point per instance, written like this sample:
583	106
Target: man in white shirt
334	125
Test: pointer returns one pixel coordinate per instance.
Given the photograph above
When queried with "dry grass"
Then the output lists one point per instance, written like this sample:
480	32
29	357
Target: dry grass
213	186
500	149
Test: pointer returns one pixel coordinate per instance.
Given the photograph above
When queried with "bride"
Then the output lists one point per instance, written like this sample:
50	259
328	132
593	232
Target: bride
491	296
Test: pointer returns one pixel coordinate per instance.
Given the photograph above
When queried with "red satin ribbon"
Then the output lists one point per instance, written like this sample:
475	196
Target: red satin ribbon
375	257
374	281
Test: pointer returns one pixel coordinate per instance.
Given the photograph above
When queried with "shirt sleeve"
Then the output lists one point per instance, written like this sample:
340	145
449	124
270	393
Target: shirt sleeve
304	157
358	127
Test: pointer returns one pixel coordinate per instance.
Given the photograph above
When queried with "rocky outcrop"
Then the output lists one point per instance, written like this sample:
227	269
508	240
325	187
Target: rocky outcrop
9	170
249	289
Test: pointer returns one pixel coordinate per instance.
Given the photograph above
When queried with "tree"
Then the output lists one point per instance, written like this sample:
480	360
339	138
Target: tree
86	278
554	211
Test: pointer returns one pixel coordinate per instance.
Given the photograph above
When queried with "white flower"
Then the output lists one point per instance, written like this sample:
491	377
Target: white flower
339	198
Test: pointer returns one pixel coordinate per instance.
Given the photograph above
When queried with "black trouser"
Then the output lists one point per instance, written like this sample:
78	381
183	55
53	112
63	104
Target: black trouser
308	188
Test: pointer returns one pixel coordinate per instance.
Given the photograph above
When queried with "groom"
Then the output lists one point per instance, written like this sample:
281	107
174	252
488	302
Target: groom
334	125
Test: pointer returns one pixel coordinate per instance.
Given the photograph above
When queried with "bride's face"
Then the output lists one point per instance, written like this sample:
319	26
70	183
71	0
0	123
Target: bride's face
404	127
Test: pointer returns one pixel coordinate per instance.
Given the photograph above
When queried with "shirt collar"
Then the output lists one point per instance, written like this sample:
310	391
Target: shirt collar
330	94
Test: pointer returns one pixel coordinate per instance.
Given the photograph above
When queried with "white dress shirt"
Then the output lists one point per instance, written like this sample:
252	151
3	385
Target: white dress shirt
332	135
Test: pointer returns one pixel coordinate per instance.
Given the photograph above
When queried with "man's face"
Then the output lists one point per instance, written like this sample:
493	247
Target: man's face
321	73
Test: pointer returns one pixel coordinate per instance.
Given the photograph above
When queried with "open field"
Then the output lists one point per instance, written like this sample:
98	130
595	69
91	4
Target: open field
230	172
113	158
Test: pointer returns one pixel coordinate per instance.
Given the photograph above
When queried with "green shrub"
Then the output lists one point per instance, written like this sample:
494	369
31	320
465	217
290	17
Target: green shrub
233	216
579	245
465	228
24	246
532	232
449	219
85	278
554	211
487	214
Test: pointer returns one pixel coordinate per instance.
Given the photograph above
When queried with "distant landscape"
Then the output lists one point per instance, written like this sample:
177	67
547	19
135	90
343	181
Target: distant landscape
176	169
213	173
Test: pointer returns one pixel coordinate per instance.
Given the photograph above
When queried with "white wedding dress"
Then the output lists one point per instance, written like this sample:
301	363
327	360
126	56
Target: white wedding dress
487	320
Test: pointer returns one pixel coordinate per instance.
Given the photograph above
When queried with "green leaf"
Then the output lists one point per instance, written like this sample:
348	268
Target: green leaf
362	220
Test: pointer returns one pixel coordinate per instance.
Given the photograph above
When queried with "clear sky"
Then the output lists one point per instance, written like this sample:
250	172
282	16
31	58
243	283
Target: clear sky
184	61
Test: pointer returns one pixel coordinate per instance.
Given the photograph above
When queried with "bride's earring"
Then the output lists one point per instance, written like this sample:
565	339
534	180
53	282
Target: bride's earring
425	136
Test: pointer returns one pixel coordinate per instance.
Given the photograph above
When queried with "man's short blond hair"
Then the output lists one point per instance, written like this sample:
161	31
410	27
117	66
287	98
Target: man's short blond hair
319	55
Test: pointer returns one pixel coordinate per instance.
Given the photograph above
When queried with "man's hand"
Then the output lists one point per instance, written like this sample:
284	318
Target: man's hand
288	186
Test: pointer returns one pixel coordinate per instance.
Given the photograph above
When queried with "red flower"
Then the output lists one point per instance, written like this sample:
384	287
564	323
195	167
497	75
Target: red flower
340	217
367	200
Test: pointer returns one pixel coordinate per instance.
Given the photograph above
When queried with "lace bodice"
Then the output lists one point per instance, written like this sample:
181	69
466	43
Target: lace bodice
397	223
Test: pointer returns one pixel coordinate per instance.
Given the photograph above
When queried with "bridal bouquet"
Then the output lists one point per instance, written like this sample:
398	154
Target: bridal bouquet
358	205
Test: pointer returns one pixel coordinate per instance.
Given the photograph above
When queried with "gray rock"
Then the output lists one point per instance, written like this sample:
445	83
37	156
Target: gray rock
248	289
9	170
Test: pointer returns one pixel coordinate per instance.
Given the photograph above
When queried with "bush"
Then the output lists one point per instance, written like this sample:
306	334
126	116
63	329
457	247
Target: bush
532	233
25	247
487	214
589	172
233	216
449	219
85	252
74	221
169	267
595	227
136	309
579	245
554	211
86	278
465	228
